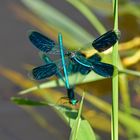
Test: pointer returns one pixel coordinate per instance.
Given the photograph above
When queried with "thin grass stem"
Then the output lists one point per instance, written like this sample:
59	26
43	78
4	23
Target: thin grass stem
114	123
130	72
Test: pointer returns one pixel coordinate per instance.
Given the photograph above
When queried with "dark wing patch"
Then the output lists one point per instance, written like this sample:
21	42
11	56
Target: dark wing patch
103	69
41	42
106	40
76	67
44	71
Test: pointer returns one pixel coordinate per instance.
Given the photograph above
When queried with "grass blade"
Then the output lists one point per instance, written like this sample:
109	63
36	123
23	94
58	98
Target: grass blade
130	72
114	117
24	101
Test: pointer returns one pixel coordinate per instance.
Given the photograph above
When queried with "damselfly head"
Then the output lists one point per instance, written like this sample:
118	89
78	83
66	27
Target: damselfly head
73	101
67	103
72	54
67	53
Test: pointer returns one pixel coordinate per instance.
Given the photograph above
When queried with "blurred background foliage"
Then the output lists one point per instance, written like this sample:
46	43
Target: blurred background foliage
80	22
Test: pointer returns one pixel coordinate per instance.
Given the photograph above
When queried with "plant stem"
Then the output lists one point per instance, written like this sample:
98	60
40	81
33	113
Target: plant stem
114	124
130	72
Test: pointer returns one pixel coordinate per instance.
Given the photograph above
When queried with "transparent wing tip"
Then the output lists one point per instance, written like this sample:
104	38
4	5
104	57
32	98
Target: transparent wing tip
31	33
30	76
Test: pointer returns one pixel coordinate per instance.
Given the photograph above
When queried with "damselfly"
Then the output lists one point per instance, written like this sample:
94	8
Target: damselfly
75	61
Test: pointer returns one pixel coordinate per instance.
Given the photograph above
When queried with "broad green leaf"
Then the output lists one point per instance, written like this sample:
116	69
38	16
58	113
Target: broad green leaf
81	129
85	131
76	123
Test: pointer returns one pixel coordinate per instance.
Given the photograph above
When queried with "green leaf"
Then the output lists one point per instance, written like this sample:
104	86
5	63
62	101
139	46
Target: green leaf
23	101
81	129
76	123
85	131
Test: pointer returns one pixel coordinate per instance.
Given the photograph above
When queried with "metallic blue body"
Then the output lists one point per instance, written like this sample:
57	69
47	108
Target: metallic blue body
70	91
94	63
77	62
63	60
